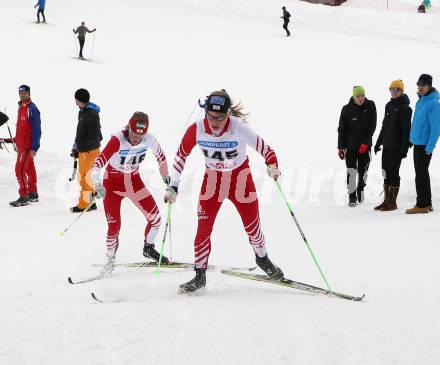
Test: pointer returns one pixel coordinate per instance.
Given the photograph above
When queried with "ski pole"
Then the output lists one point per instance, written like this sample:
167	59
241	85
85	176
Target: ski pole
77	218
302	235
171	242
12	139
93	45
164	237
75	167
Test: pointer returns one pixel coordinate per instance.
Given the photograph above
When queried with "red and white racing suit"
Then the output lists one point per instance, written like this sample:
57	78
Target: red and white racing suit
227	176
122	179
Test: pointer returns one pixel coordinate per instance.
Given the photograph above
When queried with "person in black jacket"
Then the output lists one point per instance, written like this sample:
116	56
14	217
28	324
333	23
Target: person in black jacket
357	124
394	136
86	147
286	18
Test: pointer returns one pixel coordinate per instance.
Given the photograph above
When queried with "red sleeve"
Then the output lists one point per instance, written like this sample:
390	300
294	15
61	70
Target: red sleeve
109	150
185	148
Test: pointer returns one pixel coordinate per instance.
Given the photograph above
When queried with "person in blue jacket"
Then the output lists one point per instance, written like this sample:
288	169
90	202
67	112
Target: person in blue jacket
425	132
41	5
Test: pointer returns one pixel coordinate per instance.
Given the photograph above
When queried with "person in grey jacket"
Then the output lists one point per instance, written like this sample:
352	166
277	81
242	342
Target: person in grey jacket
81	31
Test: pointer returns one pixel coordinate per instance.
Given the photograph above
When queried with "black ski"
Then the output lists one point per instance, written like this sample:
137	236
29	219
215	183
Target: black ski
94	297
291	284
86	280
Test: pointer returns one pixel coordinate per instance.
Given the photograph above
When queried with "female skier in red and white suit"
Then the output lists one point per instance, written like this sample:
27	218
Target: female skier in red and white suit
222	135
123	153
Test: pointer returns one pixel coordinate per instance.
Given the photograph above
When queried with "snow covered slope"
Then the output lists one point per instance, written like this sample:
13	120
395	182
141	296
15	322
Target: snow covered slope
160	57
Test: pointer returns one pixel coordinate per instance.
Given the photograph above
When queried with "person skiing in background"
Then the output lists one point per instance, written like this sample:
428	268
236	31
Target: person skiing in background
41	6
222	135
81	31
357	124
27	139
286	18
394	136
86	147
124	153
425	132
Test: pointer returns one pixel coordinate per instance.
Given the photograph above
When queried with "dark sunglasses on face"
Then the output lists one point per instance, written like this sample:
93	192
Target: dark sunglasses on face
422	84
217	118
395	90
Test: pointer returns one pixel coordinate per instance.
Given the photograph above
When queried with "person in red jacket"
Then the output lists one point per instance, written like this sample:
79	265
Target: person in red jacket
27	139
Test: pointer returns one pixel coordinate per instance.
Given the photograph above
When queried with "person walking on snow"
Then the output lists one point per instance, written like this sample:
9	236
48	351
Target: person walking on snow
27	139
286	18
394	136
425	132
86	147
124	153
222	135
357	124
41	6
81	31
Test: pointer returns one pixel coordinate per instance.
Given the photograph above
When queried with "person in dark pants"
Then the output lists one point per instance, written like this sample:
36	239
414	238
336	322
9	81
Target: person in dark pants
425	131
81	31
286	18
41	5
394	136
357	124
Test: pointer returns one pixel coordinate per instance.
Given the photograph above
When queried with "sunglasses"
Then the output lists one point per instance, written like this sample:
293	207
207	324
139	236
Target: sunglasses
422	84
395	90
218	118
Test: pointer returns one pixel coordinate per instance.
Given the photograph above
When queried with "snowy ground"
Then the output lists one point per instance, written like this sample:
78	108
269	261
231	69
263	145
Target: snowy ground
160	57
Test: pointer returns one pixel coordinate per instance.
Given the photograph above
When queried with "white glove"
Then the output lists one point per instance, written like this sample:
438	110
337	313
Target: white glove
166	180
100	191
273	172
170	194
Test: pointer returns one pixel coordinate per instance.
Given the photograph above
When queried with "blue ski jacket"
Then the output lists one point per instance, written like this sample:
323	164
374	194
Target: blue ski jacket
41	4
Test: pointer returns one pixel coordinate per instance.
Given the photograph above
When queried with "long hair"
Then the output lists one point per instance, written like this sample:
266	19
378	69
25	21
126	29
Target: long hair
236	109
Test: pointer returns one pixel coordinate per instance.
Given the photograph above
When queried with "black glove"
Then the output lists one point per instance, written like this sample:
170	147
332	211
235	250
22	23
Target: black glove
74	153
377	149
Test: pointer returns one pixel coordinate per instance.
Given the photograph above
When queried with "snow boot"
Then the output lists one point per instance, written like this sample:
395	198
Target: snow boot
198	282
20	202
417	210
386	192
109	266
269	268
150	252
391	202
33	197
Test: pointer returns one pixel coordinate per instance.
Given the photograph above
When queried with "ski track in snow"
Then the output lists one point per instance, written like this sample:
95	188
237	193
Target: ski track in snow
160	57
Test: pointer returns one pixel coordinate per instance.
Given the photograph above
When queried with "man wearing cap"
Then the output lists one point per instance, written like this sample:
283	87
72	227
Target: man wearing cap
81	31
425	131
123	154
86	147
357	124
27	139
394	136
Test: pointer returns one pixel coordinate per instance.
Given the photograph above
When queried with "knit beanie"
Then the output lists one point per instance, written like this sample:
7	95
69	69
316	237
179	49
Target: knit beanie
218	101
358	90
425	79
24	88
82	95
397	84
139	123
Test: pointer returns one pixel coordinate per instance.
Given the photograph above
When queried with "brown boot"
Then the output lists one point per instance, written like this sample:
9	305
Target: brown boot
391	203
431	208
386	192
417	210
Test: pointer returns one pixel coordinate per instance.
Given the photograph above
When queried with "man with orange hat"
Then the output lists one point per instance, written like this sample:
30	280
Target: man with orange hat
123	154
394	137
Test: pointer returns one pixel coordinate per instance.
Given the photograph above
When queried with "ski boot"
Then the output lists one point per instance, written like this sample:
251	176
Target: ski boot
33	197
109	266
149	252
274	273
21	201
198	282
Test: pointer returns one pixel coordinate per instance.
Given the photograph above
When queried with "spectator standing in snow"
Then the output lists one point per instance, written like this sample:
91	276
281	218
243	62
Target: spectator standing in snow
27	139
425	131
286	18
41	6
86	147
81	31
394	136
357	124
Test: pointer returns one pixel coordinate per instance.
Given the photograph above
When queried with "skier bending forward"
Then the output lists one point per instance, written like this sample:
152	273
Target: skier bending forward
222	135
123	153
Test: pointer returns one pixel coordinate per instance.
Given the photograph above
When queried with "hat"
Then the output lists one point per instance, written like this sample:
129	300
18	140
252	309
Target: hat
425	79
218	103
139	123
82	95
398	84
358	90
24	88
